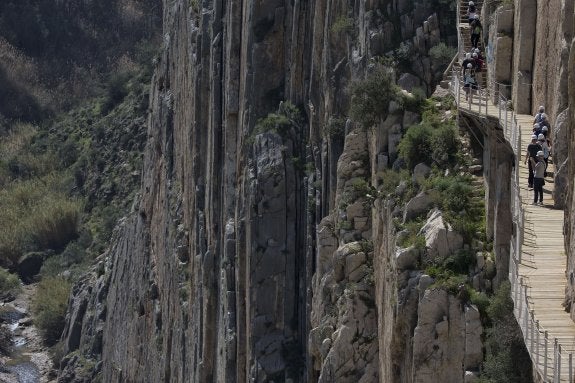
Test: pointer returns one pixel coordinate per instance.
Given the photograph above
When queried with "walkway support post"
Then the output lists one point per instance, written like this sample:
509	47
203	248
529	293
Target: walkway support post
570	367
526	313
545	356
537	345
532	331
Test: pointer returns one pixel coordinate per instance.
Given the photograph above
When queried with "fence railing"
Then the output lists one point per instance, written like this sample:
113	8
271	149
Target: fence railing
550	359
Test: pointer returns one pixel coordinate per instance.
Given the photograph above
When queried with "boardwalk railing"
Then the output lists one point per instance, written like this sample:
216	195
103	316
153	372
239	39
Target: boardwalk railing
551	362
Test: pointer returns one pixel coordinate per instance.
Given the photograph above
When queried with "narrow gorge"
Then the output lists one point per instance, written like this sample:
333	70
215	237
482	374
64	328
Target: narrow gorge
264	244
312	205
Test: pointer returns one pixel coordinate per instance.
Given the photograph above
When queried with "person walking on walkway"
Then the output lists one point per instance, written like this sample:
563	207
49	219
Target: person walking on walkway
545	148
469	82
471	12
532	149
545	121
538	165
538	116
475	31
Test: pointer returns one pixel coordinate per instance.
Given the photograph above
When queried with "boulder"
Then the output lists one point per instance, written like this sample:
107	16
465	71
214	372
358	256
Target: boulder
406	258
29	265
416	206
421	172
408	81
440	238
473	332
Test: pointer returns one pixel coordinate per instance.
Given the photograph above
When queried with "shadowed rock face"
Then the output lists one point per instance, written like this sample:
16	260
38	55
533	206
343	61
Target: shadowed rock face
210	278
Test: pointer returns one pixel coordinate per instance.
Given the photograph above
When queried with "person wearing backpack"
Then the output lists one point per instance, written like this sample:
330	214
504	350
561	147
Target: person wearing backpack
545	148
476	29
469	81
539	116
471	12
532	149
538	166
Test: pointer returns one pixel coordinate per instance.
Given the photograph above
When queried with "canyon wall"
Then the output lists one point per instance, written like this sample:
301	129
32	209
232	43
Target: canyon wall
245	258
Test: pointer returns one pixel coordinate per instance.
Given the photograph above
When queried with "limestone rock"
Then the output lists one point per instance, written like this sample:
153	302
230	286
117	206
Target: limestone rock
417	206
421	172
406	258
440	238
408	81
440	350
29	264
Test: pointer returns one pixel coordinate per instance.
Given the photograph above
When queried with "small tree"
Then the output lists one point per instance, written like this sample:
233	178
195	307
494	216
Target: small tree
370	97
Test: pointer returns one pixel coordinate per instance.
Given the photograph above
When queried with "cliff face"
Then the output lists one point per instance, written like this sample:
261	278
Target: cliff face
223	271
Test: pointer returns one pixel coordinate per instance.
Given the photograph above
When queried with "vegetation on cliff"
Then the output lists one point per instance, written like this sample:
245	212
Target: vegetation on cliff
72	133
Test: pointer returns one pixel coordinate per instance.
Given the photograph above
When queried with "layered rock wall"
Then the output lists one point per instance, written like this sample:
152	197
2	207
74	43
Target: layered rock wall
219	274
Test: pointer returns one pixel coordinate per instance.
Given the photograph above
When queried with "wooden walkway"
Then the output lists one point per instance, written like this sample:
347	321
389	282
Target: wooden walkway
538	264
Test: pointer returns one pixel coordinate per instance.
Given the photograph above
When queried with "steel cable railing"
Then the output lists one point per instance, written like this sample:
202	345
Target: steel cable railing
550	358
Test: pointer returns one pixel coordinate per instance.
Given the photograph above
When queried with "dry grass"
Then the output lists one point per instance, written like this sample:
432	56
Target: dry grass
36	215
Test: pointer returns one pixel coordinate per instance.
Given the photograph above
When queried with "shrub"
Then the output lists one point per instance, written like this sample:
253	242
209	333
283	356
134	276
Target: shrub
49	307
370	97
506	359
441	54
36	215
9	284
462	208
416	145
342	25
55	222
288	115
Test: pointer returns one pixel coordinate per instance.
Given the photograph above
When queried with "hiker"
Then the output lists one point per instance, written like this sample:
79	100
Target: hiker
538	165
469	81
536	129
475	31
539	115
468	60
532	149
471	12
545	121
545	132
479	55
545	148
478	63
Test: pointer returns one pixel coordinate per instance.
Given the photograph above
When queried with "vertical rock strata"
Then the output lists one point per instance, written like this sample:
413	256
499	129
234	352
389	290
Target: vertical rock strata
246	257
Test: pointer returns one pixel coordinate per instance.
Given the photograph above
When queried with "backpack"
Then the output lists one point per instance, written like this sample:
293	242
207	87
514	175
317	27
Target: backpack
538	117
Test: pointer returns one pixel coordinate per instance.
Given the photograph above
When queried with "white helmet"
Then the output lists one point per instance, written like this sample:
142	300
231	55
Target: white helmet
544	129
534	137
540	153
471	3
470	65
541	137
541	109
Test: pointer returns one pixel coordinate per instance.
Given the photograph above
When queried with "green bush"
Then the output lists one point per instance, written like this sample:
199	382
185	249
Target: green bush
441	54
445	279
36	215
462	206
431	142
342	25
49	307
370	97
506	358
415	146
9	284
288	115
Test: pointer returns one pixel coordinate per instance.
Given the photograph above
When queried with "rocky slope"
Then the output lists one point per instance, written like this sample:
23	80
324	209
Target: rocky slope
255	250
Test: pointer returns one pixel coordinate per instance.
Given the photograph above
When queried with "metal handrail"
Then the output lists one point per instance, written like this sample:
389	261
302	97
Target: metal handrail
548	355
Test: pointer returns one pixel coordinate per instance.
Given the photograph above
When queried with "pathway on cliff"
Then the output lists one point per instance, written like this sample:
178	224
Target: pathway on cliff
538	261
